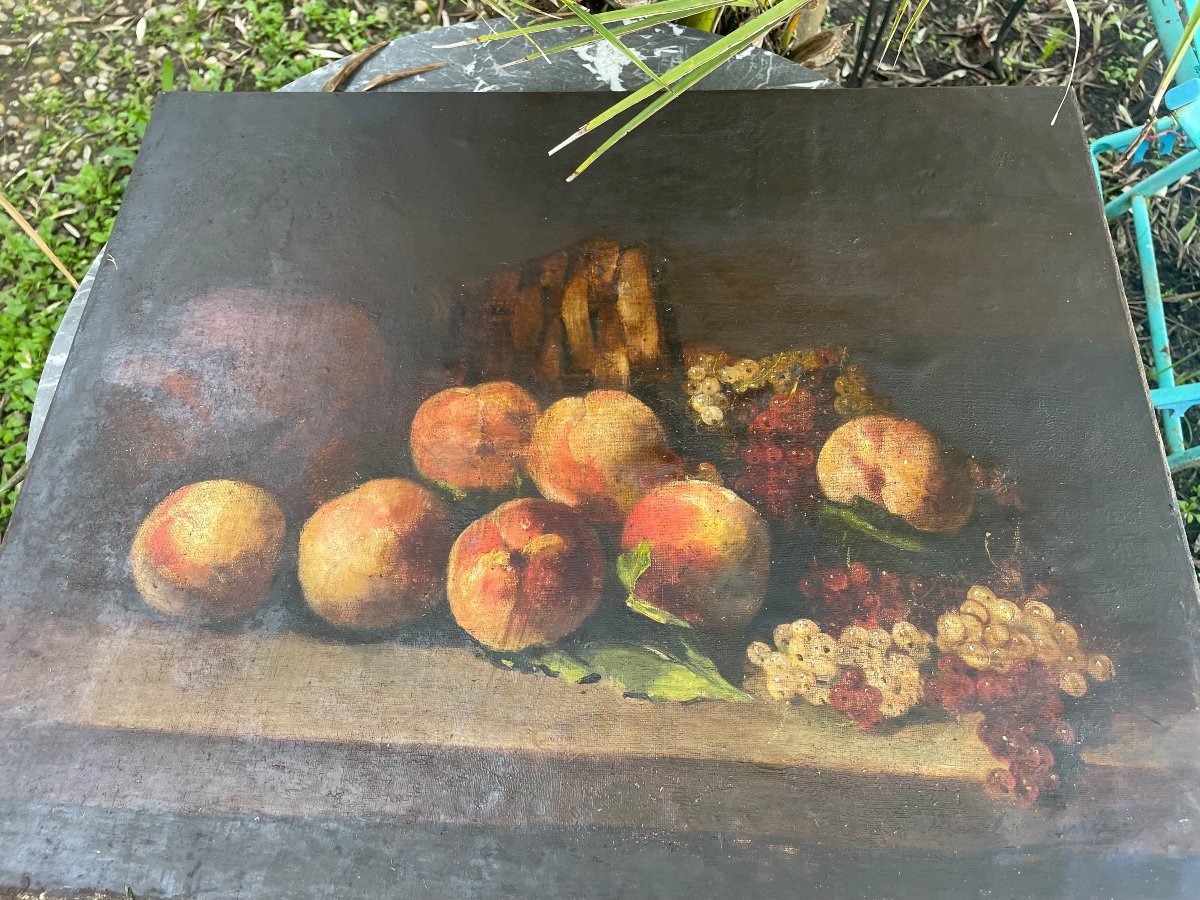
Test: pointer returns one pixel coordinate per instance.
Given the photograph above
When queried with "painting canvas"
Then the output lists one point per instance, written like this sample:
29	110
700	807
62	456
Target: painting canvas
778	509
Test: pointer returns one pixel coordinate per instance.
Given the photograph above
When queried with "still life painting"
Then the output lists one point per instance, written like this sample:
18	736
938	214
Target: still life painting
597	503
598	489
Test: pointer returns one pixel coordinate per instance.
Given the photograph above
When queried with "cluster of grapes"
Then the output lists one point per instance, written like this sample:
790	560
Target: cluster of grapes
852	397
1022	717
727	393
856	595
992	634
717	378
779	455
867	674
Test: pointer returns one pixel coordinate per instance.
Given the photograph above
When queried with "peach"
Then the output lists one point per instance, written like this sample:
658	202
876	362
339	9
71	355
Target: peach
375	557
294	393
525	575
474	437
710	552
209	550
901	466
600	453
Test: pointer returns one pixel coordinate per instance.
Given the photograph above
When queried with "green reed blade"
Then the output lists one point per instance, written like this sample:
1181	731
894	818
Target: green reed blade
728	46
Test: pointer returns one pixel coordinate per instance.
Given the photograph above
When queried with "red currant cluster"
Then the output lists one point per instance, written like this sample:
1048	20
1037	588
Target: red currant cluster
856	595
855	698
1022	712
780	454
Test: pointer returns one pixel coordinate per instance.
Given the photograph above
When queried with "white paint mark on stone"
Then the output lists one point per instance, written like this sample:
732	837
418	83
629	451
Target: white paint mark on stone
820	83
605	62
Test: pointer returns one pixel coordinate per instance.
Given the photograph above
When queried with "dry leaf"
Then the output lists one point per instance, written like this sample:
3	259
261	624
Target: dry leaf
822	48
635	304
973	49
611	369
353	64
389	77
576	318
24	225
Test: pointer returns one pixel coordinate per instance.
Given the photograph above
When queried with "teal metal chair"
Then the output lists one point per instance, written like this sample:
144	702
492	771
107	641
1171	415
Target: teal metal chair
1172	133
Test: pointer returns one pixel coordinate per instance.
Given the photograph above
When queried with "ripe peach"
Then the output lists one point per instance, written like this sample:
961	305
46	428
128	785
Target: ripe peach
209	550
375	557
710	553
525	575
899	465
474	437
600	453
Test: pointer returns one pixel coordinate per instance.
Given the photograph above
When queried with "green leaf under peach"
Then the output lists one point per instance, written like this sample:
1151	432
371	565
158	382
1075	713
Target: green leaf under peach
663	671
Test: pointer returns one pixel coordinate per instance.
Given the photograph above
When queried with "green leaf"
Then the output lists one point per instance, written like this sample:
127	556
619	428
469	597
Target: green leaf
908	30
700	663
901	9
705	21
620	30
671	670
168	74
1186	231
550	660
832	515
678	675
632	564
657	613
674	8
692	70
456	493
1056	39
511	17
562	664
547	660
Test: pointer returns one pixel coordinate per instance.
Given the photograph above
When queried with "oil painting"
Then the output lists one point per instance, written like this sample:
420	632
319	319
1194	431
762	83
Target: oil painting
589	527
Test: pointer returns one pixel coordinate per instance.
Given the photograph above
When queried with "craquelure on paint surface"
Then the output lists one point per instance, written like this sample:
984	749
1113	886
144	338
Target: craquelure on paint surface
657	535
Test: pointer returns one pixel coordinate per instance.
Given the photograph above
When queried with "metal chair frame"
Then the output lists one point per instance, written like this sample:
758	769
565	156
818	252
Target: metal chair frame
1177	130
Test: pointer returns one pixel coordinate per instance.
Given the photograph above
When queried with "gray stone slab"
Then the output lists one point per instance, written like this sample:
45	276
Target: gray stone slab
480	68
598	67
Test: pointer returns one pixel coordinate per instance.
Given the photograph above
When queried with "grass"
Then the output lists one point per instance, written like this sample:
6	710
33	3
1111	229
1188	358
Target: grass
69	158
